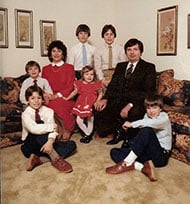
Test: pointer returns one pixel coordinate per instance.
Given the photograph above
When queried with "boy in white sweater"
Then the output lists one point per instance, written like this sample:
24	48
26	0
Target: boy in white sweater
150	147
39	134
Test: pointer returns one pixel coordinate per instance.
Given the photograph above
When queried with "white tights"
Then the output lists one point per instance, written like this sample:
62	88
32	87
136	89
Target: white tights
87	129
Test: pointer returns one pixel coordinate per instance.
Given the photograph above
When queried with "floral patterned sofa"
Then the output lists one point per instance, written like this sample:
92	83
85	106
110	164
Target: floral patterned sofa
176	94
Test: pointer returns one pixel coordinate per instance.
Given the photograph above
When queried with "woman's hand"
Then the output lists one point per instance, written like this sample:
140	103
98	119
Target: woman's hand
47	97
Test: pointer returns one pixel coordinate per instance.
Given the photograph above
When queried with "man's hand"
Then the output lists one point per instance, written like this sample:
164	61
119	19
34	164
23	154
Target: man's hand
101	104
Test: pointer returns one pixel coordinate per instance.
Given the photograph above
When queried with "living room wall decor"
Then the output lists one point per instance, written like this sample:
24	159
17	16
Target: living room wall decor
47	35
3	28
24	28
167	30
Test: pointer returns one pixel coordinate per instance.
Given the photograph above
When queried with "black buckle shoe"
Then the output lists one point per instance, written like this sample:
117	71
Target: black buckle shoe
119	137
86	139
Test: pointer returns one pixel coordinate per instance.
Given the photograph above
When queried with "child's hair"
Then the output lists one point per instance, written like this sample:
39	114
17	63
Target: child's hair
108	27
31	64
30	90
59	45
154	100
87	69
83	28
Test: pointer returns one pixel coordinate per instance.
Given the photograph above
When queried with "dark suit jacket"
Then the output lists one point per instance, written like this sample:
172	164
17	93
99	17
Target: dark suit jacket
122	90
133	89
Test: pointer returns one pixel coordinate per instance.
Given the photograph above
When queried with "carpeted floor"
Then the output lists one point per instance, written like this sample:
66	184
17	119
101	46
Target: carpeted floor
88	183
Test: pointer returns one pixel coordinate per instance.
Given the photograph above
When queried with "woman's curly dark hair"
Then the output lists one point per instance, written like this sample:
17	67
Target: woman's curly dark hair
59	45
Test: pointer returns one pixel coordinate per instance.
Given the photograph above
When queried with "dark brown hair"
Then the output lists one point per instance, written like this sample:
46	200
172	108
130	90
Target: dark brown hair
132	42
59	45
154	100
31	64
83	28
108	27
30	90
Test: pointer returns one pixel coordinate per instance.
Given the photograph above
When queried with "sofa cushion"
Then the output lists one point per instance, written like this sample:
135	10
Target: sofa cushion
175	92
186	92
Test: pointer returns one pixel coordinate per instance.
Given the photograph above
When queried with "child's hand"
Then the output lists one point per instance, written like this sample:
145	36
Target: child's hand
48	146
65	98
47	97
105	82
126	125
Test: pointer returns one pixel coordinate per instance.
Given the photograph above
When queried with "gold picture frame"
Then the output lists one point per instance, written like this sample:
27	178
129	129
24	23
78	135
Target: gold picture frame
188	31
24	28
167	31
47	35
3	27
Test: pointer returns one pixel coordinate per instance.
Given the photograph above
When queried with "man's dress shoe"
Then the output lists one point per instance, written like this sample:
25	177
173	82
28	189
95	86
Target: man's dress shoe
117	138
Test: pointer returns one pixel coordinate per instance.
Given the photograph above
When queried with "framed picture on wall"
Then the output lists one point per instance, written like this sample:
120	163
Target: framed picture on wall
47	35
167	31
3	28
188	31
24	28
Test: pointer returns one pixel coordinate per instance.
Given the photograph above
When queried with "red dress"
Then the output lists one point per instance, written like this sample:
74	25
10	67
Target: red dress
88	94
61	80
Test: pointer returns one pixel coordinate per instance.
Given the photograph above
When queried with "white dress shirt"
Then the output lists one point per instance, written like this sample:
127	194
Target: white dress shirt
75	55
29	124
41	82
101	58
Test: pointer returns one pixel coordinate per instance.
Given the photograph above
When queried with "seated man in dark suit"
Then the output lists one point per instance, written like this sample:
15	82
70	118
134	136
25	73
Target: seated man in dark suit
131	82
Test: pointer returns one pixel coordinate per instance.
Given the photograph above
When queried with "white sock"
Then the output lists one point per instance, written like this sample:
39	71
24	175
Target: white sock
138	166
130	158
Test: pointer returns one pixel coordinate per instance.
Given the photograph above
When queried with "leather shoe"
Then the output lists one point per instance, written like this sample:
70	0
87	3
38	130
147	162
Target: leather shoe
86	139
117	138
62	165
148	170
119	168
33	162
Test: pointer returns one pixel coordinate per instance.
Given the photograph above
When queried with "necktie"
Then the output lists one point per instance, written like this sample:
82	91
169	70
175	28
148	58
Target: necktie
129	70
37	116
110	57
35	82
84	55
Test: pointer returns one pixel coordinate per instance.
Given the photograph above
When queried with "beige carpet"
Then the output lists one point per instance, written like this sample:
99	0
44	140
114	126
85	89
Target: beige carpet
88	183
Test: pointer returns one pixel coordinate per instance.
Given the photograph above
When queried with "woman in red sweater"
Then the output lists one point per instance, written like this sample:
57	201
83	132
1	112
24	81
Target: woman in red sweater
60	76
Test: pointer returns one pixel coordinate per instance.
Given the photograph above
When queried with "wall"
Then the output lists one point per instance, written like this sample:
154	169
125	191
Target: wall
135	18
139	19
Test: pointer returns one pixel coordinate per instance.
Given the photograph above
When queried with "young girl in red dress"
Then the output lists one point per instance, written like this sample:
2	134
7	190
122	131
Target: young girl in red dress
89	91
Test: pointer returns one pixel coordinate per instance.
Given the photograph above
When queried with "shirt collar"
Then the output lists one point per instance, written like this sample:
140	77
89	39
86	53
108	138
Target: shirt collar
134	64
112	45
59	64
83	43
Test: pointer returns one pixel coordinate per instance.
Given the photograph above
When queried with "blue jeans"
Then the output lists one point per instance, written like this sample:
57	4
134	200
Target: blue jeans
146	146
